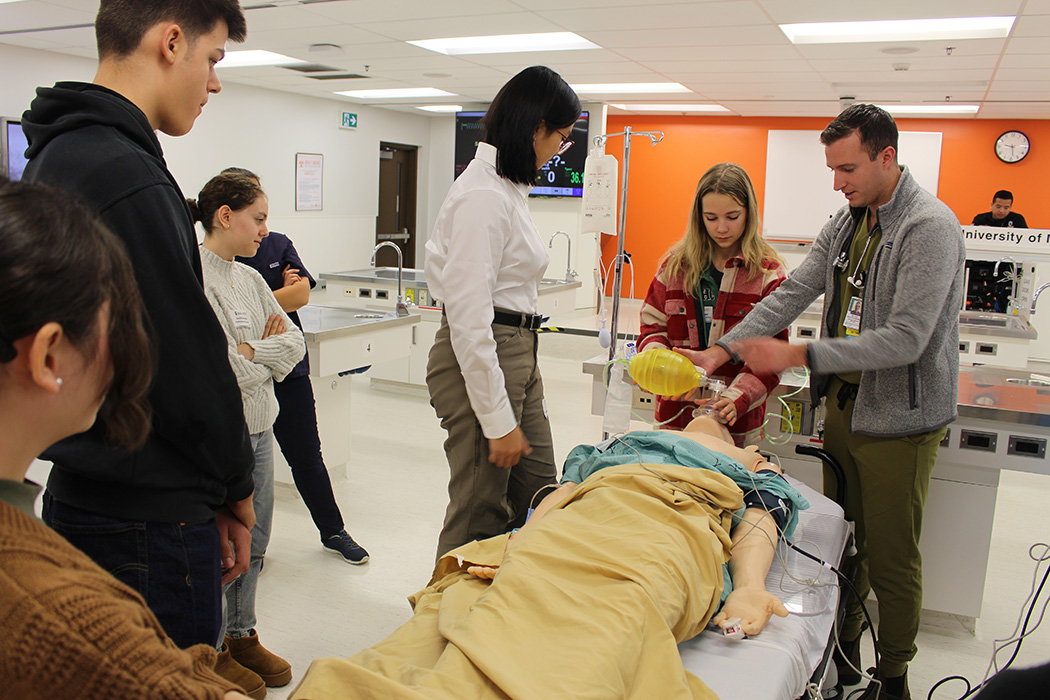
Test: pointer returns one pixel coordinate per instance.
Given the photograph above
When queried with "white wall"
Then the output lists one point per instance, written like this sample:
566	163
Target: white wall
262	130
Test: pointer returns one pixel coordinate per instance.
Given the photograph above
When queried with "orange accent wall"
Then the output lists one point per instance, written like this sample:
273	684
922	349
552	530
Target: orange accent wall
663	177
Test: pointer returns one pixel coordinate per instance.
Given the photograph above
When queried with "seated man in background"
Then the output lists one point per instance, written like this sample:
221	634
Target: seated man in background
619	564
1002	213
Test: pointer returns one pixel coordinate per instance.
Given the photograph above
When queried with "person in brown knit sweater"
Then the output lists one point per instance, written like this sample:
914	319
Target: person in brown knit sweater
72	346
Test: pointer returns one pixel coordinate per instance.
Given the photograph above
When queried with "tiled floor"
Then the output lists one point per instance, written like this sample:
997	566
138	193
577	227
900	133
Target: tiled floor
311	604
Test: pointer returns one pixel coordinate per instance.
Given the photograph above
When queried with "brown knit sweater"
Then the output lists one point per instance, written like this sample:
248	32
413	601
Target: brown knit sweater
70	630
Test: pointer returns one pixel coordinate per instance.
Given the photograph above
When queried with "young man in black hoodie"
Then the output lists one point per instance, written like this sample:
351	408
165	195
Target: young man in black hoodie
160	519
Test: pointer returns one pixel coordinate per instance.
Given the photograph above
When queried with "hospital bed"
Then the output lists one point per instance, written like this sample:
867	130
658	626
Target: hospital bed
791	652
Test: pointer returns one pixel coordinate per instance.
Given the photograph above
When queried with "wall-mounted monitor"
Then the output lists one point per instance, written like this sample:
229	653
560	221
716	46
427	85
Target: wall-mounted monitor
13	147
561	177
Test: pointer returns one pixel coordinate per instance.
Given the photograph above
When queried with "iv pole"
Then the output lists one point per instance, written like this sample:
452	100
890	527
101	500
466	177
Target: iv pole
655	137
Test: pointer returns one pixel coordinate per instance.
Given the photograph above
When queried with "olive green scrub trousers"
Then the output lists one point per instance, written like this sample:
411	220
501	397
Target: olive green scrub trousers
887	481
485	500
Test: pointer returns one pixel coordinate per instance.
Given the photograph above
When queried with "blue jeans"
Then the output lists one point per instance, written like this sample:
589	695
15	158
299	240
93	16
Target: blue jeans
173	566
240	593
296	433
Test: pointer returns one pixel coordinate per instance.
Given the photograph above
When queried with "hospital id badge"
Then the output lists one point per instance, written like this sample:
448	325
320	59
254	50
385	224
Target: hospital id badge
852	320
241	319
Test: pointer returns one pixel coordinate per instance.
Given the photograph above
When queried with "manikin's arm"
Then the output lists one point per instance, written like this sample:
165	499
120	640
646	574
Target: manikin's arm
754	541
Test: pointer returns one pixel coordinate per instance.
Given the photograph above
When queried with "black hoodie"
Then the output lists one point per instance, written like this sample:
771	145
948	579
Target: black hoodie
96	144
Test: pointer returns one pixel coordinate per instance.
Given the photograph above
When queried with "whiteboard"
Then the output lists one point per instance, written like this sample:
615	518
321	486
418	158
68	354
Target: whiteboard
799	195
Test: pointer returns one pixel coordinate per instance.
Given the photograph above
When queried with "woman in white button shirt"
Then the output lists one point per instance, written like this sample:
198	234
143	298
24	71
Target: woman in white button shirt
484	262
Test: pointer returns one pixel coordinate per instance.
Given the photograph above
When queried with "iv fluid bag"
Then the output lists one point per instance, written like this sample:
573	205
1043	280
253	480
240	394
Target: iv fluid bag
665	373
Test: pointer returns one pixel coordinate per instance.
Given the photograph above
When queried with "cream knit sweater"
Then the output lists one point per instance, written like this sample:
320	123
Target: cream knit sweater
243	302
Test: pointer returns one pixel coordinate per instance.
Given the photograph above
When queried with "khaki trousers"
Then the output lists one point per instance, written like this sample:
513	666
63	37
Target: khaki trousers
887	481
485	500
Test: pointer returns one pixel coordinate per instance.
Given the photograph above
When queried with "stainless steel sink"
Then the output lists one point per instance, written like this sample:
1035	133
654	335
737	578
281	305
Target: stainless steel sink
989	322
1027	382
407	275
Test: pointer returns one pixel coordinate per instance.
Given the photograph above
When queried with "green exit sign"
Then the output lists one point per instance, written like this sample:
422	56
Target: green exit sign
348	121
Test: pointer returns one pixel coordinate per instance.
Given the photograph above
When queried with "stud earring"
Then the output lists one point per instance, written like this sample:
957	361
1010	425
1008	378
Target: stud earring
58	380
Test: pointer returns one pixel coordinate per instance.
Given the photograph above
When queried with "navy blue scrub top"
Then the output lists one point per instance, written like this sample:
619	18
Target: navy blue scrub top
277	252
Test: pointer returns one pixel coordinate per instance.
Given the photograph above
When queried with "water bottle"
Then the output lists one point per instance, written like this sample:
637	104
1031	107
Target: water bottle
665	373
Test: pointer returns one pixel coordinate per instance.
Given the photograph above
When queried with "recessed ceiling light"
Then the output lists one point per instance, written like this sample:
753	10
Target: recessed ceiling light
255	57
395	93
506	43
441	108
899	30
629	88
670	107
899	50
3	2
930	109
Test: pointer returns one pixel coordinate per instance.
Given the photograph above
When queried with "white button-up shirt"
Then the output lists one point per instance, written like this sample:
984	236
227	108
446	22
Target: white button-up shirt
484	252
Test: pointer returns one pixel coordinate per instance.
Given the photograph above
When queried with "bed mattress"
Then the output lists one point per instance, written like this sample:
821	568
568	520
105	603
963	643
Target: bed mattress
777	664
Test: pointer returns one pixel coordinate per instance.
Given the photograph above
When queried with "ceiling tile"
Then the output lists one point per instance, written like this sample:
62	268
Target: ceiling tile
659	16
1015	110
781	52
737	36
1021	74
365	11
1037	7
479	25
791	11
341	35
1026	61
785	108
543	58
1032	25
35	15
1022	45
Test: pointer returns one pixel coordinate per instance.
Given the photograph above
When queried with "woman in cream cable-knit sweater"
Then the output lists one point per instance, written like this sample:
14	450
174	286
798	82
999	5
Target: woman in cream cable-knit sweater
264	345
68	342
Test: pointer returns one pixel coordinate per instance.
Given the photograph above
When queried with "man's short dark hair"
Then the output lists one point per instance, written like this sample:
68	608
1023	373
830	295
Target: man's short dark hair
121	24
534	95
1003	194
874	125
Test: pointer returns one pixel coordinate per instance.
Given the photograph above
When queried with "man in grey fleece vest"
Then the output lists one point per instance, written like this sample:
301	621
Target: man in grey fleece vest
890	267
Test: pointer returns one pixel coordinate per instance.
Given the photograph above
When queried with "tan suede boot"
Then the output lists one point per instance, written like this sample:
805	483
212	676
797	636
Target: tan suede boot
248	652
247	680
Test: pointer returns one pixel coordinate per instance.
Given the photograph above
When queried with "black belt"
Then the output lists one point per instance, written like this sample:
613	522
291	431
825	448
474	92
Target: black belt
530	322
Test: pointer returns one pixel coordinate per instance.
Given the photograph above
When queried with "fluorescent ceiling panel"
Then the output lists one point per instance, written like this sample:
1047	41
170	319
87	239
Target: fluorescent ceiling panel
441	108
506	43
899	30
395	93
629	88
930	109
255	57
670	107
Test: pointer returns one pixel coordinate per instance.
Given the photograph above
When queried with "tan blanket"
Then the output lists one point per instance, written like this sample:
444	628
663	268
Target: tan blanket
590	604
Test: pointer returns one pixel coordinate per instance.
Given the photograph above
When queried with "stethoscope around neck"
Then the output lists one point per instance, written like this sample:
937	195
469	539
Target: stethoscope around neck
859	276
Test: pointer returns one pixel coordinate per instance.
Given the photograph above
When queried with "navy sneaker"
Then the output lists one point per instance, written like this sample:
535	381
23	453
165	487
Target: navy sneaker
343	544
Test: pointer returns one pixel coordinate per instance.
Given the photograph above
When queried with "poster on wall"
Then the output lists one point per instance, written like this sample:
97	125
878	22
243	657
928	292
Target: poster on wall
309	168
